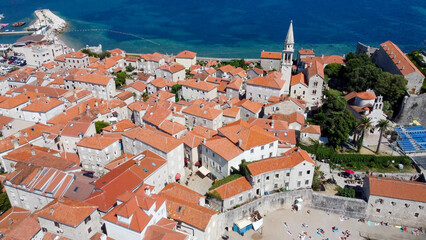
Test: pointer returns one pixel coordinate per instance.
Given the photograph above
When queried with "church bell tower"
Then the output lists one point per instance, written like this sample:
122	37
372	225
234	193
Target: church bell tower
287	58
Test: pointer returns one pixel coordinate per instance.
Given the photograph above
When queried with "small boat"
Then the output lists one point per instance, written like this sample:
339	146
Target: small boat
1	16
18	24
3	25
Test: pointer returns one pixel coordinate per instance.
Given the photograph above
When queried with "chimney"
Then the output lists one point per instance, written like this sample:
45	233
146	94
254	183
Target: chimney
96	103
36	90
138	163
201	105
310	64
240	142
51	211
147	191
114	127
75	95
297	149
10	221
403	67
48	98
15	143
32	151
204	141
25	90
272	124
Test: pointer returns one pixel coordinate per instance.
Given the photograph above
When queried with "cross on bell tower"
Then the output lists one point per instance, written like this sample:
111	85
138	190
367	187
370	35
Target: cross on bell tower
287	58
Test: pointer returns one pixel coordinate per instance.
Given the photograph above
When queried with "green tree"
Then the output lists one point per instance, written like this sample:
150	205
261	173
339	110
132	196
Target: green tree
364	126
145	96
130	68
387	109
4	200
104	54
99	125
120	79
239	63
336	121
316	181
383	126
346	192
333	70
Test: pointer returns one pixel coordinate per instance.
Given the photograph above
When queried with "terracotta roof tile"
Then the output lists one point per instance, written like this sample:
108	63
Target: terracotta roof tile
298	78
202	111
315	129
269	81
154	138
66	211
43	105
138	85
98	142
366	95
174	68
400	189
186	54
306	52
276	163
201	85
233	188
404	64
271	55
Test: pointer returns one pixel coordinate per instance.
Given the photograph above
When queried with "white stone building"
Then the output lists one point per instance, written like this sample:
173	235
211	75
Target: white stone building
295	170
174	72
186	58
97	151
100	85
43	109
270	60
193	89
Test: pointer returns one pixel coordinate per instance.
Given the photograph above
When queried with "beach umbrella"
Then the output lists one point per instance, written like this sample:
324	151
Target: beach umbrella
349	171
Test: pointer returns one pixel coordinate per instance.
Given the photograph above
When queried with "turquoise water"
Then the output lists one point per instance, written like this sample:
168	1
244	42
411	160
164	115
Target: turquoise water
228	28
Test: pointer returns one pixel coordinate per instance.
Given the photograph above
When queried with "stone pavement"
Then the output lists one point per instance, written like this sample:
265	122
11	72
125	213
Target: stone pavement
195	182
274	227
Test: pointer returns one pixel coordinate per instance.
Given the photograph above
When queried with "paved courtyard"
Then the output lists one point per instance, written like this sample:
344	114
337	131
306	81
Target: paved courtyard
195	182
274	227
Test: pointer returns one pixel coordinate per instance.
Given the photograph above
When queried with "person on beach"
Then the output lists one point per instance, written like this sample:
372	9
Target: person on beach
285	224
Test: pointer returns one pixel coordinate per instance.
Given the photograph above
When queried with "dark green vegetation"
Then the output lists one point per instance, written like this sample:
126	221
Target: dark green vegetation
102	55
346	192
120	79
175	90
225	180
316	181
336	121
4	200
360	74
130	68
360	162
99	125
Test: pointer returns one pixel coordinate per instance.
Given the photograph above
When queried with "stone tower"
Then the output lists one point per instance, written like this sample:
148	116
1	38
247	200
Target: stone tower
287	59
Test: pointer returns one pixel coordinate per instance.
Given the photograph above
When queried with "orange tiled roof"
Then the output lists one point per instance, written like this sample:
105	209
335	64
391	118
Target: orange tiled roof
202	111
204	132
97	142
233	188
333	59
396	188
252	106
66	211
191	140
271	55
25	229
306	52
223	147
235	84
298	78
268	81
315	129
11	218
120	126
138	85
78	54
174	68
249	135
404	64
227	68
232	112
159	231
49	91
43	105
186	54
154	138
317	67
125	95
171	127
276	163
290	118
366	95
201	85
182	205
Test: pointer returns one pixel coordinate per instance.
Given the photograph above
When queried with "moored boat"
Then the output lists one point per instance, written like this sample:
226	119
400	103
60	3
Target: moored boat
3	25
18	24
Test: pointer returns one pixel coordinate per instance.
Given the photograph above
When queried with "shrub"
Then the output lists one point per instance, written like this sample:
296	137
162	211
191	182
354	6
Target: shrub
346	192
225	180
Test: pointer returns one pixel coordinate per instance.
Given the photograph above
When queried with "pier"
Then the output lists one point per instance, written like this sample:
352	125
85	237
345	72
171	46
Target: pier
16	33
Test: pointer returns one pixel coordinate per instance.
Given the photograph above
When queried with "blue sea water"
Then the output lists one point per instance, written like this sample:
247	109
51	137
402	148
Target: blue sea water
230	28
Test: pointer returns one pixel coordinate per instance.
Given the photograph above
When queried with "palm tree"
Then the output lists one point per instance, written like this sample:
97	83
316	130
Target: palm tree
382	125
364	126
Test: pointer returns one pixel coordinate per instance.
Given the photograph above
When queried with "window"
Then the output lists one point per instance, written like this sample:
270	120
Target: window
57	224
298	183
308	172
241	198
263	147
277	175
258	180
87	220
275	185
271	145
421	207
416	214
231	202
287	174
390	213
44	229
89	230
306	182
300	173
286	184
407	205
393	203
267	178
378	210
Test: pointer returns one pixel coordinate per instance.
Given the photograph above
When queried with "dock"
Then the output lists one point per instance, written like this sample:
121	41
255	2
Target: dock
16	33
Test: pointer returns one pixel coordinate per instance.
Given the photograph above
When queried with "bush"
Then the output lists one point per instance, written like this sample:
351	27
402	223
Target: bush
214	194
346	192
99	125
225	180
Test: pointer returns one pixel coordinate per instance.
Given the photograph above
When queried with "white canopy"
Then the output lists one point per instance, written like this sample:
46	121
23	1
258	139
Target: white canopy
242	223
204	171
